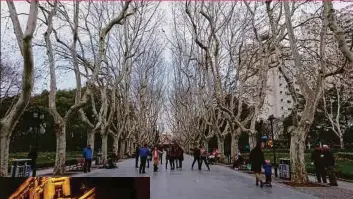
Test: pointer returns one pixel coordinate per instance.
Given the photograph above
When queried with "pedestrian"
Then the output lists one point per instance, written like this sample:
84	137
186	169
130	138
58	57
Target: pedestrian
317	158
329	161
257	159
197	158
144	153
203	158
155	156
137	155
167	155
180	157
268	172
87	155
32	154
160	153
149	157
172	157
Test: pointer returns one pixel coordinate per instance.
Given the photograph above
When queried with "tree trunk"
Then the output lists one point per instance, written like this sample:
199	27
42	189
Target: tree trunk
122	149
220	144
205	143
104	147
297	150
252	140
341	141
91	138
234	146
4	151
60	158
116	145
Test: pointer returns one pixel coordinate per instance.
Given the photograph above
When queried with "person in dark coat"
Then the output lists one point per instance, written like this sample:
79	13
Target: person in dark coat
197	157
144	152
329	161
172	157
317	157
33	156
180	157
167	158
137	155
257	160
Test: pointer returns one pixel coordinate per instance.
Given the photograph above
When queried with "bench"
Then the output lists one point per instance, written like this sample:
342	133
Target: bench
75	165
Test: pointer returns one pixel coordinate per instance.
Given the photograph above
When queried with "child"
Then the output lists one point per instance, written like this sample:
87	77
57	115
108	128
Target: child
268	172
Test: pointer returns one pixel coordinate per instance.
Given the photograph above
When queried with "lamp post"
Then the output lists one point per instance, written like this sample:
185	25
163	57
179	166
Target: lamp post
271	118
38	122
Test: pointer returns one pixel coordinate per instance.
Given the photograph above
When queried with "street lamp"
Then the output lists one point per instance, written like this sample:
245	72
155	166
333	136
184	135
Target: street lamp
271	118
39	126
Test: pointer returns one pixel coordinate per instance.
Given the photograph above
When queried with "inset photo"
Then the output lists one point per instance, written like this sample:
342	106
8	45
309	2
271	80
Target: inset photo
74	188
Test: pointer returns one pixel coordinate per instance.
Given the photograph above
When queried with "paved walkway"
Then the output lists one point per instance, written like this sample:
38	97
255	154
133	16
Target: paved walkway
220	182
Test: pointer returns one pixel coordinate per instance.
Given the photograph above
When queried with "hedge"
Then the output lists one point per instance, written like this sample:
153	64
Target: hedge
345	155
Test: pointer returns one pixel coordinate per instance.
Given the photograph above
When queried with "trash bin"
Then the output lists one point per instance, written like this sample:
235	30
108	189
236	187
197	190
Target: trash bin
99	159
284	169
21	168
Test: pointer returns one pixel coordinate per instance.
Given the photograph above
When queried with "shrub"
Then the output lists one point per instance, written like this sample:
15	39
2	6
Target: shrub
345	155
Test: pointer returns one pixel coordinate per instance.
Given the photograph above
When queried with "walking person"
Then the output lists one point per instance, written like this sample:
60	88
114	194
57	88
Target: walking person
177	154
172	157
87	155
155	156
197	158
33	156
137	155
144	152
257	159
317	158
268	172
180	157
167	156
203	158
149	157
160	153
329	161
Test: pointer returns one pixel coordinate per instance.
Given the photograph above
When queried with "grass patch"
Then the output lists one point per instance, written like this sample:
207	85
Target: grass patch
45	159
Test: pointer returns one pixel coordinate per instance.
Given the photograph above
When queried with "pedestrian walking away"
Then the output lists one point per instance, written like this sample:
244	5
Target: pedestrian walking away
329	161
160	153
155	156
197	158
144	152
137	155
167	158
180	157
257	159
87	155
172	157
268	172
203	158
317	158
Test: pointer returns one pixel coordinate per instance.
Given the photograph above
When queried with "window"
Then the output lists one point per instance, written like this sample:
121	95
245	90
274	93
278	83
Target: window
281	92
280	84
289	109
282	108
281	100
297	89
288	101
279	77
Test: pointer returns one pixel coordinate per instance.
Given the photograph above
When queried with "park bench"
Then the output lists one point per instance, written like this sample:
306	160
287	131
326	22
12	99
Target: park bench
75	164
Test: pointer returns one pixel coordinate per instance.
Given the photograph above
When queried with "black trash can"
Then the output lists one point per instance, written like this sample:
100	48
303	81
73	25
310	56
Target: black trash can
284	169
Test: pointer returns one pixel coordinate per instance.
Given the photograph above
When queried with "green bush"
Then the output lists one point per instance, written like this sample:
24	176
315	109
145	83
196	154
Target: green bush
345	155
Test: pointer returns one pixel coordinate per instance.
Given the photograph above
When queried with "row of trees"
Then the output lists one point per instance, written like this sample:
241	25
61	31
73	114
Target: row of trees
114	51
223	53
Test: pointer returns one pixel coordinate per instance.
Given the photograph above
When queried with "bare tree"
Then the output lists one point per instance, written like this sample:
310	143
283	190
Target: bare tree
24	40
